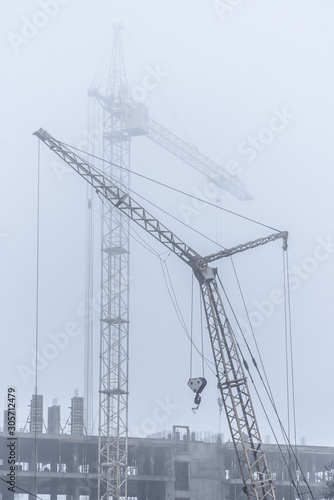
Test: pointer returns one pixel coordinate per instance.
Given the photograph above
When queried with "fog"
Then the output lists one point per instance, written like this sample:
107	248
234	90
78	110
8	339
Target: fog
247	83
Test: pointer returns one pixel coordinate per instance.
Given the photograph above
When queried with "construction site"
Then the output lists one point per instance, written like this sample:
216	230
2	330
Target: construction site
176	464
93	455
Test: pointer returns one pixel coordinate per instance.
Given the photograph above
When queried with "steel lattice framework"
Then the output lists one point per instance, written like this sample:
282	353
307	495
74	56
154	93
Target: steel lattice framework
190	155
235	394
231	378
114	330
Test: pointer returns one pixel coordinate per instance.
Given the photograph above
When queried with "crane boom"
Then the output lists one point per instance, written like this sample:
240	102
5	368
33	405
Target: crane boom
189	154
123	201
246	246
231	378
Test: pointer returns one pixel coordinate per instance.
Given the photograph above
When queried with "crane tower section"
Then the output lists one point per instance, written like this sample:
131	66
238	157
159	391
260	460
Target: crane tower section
114	320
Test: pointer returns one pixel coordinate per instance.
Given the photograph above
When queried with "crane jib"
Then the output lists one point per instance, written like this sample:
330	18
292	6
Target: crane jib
150	223
127	205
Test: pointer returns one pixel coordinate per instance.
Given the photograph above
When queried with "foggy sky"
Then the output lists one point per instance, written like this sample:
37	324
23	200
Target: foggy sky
250	84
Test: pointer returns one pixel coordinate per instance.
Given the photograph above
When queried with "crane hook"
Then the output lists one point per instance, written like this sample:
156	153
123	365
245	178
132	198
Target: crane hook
197	385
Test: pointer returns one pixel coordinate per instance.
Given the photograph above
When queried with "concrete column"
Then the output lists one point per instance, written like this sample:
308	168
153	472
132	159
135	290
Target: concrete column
33	488
53	490
75	459
6	494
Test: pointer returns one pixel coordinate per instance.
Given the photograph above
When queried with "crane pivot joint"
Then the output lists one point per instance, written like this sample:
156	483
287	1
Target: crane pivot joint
203	271
201	264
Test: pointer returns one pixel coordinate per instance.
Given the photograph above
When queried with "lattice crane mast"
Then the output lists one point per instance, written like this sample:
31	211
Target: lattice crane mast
231	378
114	307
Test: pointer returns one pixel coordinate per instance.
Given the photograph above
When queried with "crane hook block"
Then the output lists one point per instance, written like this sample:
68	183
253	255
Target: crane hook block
197	385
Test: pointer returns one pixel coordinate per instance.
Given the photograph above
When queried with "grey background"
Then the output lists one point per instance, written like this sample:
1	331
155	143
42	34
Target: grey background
225	74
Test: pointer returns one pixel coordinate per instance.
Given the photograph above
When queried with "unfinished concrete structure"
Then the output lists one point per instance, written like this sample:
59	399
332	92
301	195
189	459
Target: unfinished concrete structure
177	466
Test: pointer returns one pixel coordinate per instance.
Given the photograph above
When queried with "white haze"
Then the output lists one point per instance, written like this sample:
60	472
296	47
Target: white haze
224	77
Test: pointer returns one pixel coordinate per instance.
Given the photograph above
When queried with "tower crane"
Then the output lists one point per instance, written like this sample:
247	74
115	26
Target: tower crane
121	119
231	378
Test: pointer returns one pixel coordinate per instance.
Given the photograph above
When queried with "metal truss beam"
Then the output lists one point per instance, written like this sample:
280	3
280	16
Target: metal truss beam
235	394
190	155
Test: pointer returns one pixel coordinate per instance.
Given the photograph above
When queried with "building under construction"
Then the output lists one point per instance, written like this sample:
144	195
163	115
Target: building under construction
177	464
